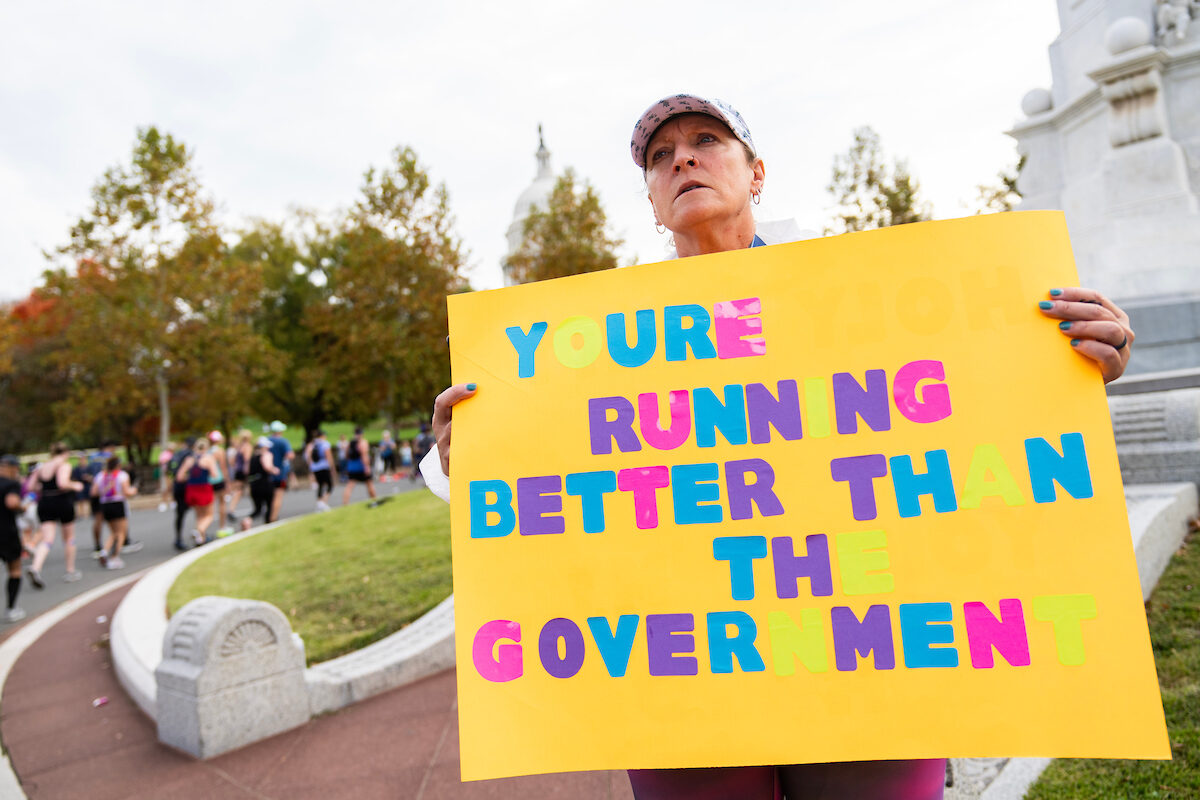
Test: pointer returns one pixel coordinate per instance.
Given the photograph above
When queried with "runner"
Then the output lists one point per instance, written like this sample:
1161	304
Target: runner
281	455
260	473
56	506
358	466
179	488
95	466
318	453
217	450
112	488
11	548
241	461
196	476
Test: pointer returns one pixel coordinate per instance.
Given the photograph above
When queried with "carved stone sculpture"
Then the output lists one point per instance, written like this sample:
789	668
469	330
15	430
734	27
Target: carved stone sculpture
232	673
1173	17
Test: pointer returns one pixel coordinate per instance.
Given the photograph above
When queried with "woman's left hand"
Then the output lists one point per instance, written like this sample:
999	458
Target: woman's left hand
1097	327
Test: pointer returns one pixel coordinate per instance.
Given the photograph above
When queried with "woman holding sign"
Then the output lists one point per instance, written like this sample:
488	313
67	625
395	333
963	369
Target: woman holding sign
703	175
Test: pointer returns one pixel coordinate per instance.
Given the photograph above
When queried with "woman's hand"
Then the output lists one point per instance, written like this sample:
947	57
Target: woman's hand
443	409
1097	327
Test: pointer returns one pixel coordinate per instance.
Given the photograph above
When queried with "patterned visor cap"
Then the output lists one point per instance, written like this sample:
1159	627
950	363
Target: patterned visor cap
678	104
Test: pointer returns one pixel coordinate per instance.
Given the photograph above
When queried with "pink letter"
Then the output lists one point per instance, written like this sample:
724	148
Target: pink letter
498	664
1006	634
651	422
732	321
934	402
644	483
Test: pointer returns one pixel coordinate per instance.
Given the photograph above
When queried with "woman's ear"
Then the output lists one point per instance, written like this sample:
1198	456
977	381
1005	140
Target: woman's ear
760	174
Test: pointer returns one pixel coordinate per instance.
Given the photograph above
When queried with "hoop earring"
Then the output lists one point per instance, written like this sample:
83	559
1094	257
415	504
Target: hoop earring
756	197
658	226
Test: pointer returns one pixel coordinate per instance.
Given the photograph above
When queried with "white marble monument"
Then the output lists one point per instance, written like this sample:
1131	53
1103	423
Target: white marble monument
1115	144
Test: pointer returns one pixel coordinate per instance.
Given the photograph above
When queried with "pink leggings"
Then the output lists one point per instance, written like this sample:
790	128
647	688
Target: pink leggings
843	780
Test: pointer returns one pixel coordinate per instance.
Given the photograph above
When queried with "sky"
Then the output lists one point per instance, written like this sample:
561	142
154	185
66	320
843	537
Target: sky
286	104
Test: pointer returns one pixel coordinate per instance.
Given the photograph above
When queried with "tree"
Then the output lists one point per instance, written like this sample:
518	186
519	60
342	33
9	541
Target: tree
292	258
868	193
154	311
569	237
30	386
1003	195
383	328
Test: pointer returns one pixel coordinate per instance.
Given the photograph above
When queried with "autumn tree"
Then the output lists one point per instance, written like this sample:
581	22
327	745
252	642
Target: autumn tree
569	237
29	384
869	193
383	330
152	309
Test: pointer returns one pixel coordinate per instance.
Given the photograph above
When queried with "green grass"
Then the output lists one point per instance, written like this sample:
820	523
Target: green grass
1174	616
344	578
295	434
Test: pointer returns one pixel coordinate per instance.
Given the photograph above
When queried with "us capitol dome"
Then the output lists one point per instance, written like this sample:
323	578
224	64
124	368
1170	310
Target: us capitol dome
537	194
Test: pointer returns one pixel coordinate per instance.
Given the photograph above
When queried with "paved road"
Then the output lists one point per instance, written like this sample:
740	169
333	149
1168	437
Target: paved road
156	530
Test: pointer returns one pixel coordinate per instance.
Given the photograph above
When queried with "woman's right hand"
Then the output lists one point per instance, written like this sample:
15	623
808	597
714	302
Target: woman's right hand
443	409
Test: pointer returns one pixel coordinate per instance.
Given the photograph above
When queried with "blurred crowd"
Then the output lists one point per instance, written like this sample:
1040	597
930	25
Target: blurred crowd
207	475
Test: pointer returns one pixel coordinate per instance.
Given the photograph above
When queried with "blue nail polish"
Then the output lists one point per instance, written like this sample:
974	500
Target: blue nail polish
1055	292
1074	343
470	387
1066	326
1045	305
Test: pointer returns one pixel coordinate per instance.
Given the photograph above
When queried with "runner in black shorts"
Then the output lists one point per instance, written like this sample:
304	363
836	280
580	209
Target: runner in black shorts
56	507
358	466
10	537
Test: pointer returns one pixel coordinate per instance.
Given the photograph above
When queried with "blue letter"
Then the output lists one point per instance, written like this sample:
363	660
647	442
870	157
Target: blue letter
677	338
614	646
710	414
525	344
936	482
1070	469
740	552
691	485
591	487
722	649
918	636
618	346
480	529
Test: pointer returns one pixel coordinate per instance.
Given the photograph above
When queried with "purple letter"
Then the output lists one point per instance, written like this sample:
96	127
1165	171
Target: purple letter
789	568
765	411
537	497
569	664
851	636
742	495
852	401
603	430
860	473
666	637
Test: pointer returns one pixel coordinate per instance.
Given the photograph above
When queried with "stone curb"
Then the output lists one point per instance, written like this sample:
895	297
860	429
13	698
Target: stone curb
22	639
140	624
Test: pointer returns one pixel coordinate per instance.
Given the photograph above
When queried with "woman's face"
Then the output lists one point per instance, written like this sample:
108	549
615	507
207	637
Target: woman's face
697	174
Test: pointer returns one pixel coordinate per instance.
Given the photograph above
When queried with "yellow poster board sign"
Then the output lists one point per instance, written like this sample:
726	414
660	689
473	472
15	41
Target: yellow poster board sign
849	498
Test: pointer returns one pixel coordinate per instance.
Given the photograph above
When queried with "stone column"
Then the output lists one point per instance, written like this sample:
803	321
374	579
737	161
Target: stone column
232	673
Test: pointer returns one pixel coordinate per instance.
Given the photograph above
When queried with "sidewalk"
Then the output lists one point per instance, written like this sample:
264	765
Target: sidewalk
402	744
